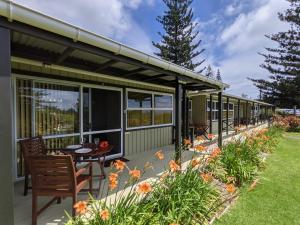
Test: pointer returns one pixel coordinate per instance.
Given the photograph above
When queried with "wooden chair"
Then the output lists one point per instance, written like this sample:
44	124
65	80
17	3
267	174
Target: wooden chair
56	176
30	147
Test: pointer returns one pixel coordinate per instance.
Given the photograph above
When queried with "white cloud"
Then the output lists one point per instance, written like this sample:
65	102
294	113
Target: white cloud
248	30
240	42
111	18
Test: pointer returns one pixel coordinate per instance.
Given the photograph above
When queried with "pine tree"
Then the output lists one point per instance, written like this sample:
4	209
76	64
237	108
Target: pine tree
283	62
209	72
180	43
219	78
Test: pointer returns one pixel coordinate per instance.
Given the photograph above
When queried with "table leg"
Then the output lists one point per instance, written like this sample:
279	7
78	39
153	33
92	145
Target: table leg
192	136
102	173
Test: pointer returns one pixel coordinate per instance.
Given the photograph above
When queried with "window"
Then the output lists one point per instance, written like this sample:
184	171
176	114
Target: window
163	107
230	111
56	109
47	109
67	113
215	113
148	109
190	112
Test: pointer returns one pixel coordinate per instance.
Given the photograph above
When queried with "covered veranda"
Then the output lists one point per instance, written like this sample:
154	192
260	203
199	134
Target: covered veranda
38	46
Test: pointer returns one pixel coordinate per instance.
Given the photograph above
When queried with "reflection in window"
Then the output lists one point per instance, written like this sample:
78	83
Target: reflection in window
139	100
163	101
137	118
146	109
215	113
24	108
56	109
162	117
230	111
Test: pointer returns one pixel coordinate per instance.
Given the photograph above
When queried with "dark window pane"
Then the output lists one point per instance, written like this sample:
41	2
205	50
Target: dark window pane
163	101
136	118
190	103
85	110
139	100
162	117
208	105
106	109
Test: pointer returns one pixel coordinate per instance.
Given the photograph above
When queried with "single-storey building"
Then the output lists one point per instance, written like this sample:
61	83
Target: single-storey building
236	111
73	86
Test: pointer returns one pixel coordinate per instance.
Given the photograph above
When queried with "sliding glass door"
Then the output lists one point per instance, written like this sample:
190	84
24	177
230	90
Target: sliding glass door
102	119
65	114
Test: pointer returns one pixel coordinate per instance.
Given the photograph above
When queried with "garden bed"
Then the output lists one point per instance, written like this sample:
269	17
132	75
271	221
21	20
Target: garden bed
195	193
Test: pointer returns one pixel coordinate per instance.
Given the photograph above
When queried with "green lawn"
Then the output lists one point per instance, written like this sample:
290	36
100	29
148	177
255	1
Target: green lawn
276	199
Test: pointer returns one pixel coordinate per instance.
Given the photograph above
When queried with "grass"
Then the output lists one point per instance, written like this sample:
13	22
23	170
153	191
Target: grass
276	199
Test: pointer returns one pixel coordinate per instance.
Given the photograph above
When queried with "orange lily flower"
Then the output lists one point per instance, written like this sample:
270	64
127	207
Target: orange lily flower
104	214
113	184
144	188
206	177
160	155
120	165
195	162
230	188
187	142
199	138
81	207
113	176
135	174
173	166
200	148
210	136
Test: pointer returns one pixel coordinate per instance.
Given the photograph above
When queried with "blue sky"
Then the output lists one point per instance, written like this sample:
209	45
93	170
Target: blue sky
232	31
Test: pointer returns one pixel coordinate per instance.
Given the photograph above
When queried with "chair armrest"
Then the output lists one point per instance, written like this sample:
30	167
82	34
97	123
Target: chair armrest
83	169
80	171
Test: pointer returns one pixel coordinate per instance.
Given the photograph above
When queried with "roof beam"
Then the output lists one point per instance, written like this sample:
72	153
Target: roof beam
48	36
66	53
106	65
156	77
134	72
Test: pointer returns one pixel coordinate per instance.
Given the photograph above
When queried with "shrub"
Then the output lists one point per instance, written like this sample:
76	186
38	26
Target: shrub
289	123
183	198
178	196
241	160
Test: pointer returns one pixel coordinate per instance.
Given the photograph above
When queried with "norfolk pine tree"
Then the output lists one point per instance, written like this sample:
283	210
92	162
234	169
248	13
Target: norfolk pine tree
179	42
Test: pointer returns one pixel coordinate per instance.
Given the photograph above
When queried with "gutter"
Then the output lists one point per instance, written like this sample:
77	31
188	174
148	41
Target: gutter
13	11
230	96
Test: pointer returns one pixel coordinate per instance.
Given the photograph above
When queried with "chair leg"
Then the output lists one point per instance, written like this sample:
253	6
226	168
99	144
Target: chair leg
26	184
91	180
74	202
34	209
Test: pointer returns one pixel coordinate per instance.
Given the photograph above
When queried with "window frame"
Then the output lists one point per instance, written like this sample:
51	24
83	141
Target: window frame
215	111
152	109
230	110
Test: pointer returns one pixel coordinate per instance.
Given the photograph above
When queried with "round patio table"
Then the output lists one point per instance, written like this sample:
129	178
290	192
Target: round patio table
96	155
